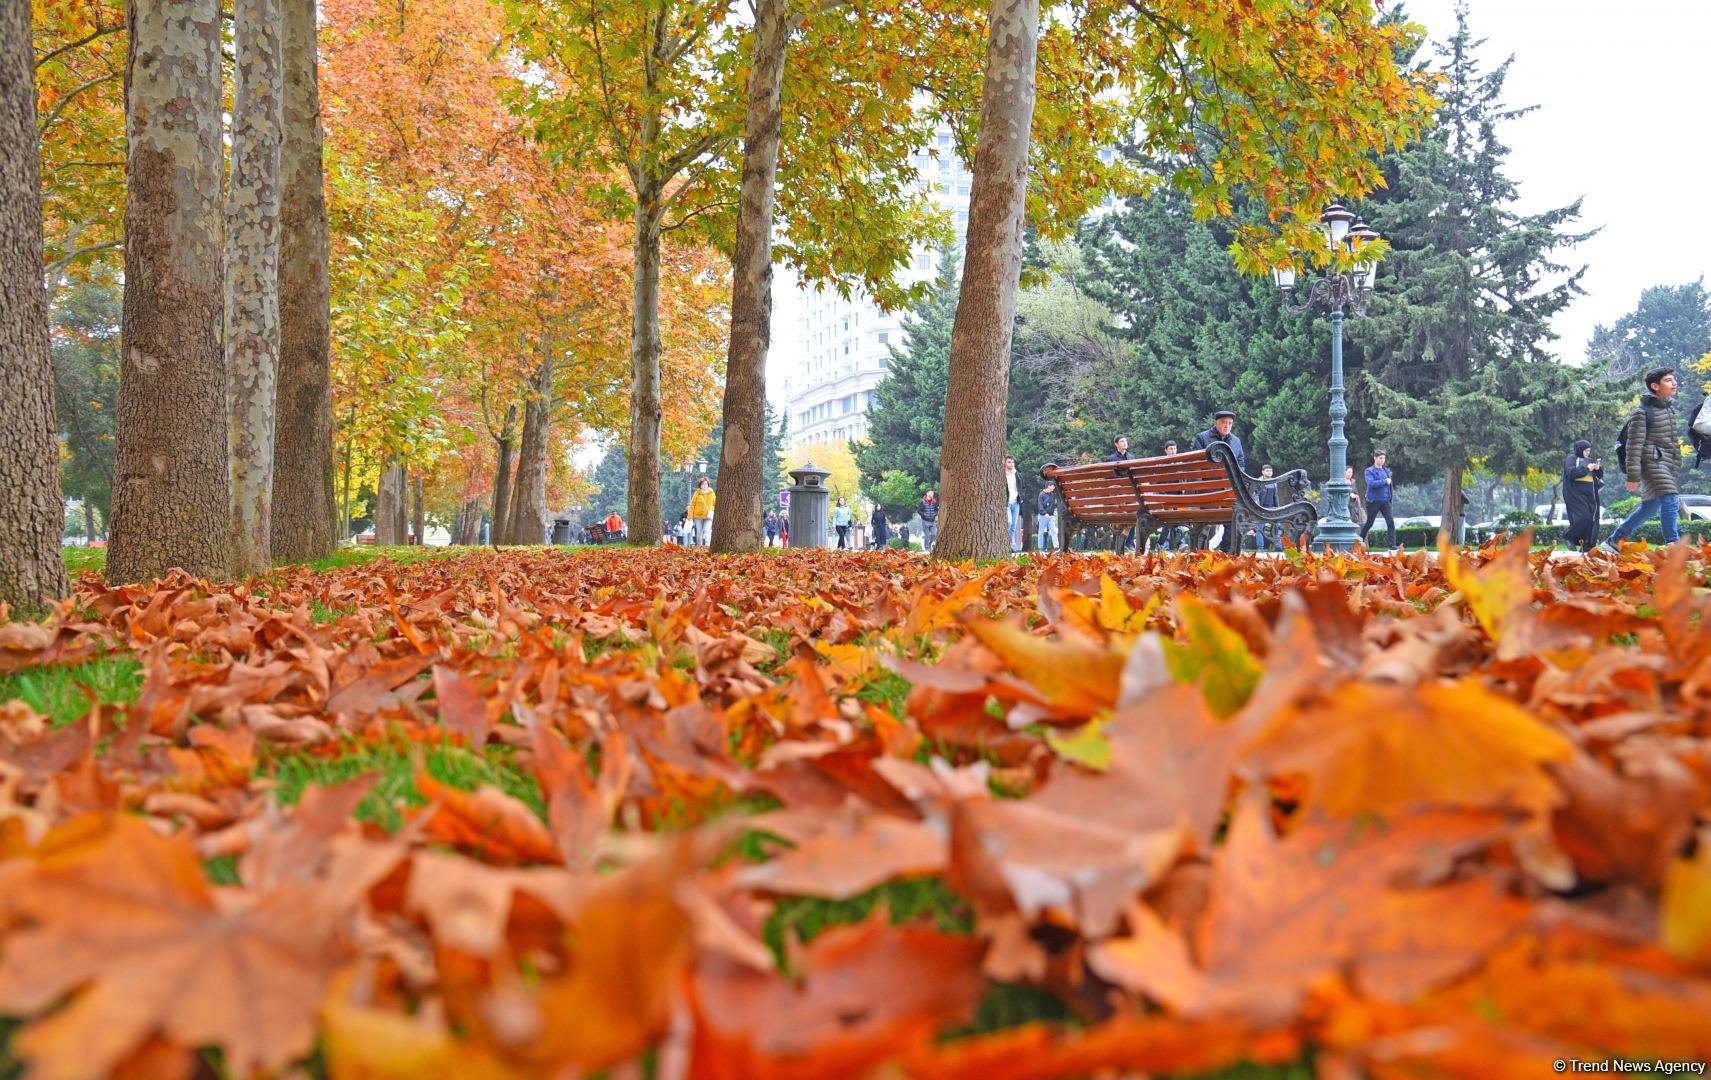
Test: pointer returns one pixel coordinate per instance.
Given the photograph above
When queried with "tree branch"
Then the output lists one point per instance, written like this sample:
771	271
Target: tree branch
99	32
59	106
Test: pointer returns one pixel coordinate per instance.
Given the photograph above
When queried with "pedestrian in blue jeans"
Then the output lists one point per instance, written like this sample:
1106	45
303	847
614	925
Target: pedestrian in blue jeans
1379	489
1652	460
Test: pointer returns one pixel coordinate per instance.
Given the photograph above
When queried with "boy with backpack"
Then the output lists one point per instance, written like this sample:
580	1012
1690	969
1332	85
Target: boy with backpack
1649	452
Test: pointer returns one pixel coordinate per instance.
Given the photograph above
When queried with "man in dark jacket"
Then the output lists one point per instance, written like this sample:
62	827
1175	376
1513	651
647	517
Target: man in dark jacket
1119	449
1223	430
1047	518
1267	497
929	511
1653	460
880	527
1379	489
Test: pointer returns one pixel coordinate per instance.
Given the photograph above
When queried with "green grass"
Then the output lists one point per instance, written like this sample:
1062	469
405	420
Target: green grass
394	760
78	560
885	687
359	555
913	900
58	692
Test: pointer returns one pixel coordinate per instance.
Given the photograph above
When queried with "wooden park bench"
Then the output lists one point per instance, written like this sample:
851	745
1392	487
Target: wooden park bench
1201	489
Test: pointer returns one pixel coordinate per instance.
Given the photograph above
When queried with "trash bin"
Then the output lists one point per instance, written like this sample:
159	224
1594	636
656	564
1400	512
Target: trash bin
809	498
561	532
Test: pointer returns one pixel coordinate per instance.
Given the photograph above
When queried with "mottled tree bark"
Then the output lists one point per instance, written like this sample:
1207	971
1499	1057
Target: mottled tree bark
418	511
972	523
497	534
304	514
527	519
172	492
31	513
252	281
645	409
737	525
1452	510
392	505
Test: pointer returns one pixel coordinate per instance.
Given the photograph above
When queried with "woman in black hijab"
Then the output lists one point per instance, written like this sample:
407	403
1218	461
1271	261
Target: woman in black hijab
1581	478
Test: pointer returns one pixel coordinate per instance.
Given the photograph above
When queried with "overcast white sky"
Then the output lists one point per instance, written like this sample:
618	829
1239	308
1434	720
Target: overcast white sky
1621	89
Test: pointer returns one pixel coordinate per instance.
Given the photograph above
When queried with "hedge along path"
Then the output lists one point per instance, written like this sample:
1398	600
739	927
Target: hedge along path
822	813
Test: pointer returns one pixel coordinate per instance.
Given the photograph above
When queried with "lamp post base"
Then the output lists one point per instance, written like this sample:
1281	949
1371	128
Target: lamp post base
1337	535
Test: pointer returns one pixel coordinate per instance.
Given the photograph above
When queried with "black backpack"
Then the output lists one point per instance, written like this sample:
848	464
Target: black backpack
1622	438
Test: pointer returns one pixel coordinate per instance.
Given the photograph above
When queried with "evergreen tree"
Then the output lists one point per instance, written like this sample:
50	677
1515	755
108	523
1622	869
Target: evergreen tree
1203	338
86	387
1671	327
905	426
612	478
1455	348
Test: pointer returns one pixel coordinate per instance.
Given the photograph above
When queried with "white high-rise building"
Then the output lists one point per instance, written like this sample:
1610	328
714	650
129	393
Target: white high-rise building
831	352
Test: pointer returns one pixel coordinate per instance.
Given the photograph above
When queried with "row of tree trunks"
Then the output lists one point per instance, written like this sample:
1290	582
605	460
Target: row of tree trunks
972	522
252	281
737	525
172	490
526	520
303	503
467	528
31	514
392	505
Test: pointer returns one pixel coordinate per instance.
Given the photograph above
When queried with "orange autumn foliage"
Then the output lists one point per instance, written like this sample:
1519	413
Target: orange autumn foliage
1312	805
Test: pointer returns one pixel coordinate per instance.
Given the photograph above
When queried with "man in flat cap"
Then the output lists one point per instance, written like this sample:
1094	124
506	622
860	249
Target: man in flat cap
1223	430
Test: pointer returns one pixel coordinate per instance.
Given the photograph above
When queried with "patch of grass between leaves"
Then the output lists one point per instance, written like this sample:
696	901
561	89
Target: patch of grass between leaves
395	760
912	900
59	692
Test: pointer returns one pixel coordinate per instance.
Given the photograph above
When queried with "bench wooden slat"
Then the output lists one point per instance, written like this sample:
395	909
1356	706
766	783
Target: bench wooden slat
1197	488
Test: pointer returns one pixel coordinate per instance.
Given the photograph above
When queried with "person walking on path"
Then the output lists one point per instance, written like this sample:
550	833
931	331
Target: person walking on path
1267	498
1652	452
770	527
614	526
881	529
1357	506
1581	479
1223	430
841	522
1047	507
1379	489
701	513
1013	491
929	511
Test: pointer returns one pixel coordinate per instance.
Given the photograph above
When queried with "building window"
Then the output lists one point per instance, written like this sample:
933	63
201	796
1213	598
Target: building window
923	260
846	348
884	338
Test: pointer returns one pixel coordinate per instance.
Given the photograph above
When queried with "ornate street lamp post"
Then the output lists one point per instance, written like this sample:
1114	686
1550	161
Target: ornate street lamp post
1334	291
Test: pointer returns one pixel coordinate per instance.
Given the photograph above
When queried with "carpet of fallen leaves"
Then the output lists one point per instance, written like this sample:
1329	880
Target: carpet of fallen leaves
838	815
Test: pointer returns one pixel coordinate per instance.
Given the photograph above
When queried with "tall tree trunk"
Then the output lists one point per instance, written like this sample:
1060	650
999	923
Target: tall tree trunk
502	480
469	522
303	507
252	281
973	523
89	521
32	516
1452	511
418	512
172	496
644	520
392	504
736	527
527	519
